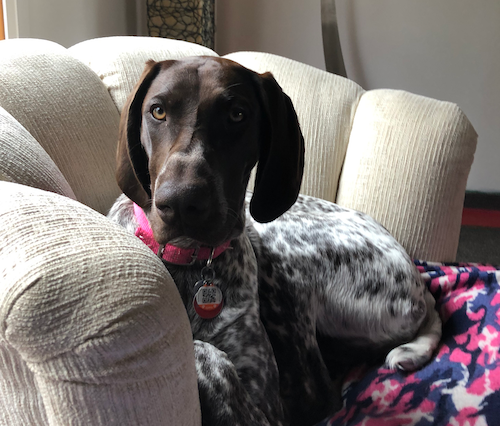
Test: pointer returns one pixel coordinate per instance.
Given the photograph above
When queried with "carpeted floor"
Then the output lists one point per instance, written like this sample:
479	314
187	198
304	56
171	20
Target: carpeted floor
480	234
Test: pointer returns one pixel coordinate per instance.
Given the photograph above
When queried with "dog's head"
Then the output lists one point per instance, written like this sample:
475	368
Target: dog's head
190	134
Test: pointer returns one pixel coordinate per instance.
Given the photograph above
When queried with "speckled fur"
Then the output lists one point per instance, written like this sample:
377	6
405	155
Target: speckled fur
323	271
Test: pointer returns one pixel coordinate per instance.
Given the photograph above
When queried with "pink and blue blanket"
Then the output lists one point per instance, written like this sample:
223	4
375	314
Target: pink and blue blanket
461	385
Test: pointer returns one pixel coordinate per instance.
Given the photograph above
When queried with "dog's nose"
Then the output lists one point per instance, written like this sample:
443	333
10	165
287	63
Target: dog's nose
189	204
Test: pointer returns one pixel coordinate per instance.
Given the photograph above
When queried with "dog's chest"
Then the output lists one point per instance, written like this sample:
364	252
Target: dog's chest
234	274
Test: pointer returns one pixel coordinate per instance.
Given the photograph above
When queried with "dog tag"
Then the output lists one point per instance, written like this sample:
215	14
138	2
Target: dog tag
207	301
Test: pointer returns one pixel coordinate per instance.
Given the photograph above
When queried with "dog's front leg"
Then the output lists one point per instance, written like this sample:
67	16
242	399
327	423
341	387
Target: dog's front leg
307	390
224	400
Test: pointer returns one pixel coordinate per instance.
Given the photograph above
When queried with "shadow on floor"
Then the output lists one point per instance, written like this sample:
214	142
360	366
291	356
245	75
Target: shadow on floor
479	244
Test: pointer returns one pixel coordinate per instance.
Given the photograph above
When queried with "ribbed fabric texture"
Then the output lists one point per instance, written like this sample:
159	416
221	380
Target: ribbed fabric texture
21	400
119	61
92	327
407	166
23	160
325	104
67	109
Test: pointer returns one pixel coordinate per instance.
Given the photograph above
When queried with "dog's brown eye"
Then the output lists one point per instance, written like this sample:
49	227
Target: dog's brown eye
158	112
236	115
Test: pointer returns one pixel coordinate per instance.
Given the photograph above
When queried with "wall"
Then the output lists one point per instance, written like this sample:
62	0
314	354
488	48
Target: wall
290	28
446	49
68	22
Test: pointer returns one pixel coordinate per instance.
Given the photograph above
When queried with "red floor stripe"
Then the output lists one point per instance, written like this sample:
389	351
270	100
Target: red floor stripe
481	217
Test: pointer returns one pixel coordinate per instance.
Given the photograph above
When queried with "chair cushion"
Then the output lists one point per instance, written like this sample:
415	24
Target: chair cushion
67	109
23	160
119	61
325	105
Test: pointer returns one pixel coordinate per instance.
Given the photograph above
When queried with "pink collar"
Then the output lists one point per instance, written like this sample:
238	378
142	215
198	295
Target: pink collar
172	254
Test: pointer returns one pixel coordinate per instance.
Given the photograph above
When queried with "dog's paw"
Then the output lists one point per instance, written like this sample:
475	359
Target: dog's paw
409	357
415	354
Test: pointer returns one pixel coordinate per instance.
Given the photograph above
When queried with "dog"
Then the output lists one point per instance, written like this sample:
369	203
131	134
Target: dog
282	290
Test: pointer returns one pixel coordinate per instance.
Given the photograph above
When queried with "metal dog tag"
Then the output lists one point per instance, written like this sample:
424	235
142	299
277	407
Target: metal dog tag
208	301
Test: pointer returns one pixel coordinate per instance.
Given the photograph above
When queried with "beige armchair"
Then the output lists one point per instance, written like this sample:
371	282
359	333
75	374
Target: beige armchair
93	331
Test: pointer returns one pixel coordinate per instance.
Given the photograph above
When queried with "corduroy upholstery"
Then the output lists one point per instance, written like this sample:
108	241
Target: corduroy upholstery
420	170
93	331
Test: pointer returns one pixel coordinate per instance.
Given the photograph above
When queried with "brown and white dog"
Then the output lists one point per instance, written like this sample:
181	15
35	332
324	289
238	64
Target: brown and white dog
278	277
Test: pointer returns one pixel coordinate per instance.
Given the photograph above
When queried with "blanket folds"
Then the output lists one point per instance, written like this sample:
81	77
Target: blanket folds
461	385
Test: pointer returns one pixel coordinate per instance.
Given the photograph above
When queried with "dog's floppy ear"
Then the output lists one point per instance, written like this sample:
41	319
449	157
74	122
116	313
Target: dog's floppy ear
281	160
132	172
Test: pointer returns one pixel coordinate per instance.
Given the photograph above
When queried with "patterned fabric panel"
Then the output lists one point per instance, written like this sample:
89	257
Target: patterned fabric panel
461	385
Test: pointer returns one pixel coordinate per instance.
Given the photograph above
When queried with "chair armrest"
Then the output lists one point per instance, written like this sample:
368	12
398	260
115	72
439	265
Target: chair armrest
407	165
94	316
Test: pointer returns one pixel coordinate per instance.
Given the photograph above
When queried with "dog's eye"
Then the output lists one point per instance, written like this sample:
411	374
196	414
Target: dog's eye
236	115
158	112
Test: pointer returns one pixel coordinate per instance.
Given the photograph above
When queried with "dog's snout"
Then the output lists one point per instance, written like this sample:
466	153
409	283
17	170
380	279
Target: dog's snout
190	205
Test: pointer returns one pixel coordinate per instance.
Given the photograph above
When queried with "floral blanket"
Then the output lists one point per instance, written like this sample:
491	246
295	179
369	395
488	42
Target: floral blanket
461	385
